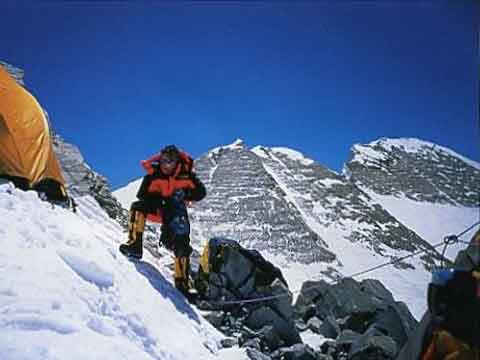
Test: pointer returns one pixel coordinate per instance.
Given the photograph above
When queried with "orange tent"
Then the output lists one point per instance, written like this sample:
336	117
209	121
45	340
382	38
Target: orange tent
26	151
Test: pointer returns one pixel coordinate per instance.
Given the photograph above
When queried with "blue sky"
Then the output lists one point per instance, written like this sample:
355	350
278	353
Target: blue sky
123	79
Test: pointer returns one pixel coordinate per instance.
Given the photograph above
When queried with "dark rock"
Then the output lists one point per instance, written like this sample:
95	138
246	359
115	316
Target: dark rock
266	338
229	342
342	299
396	322
376	289
310	293
295	352
358	322
324	357
267	316
329	328
315	324
254	343
237	269
233	276
350	297
329	347
215	318
371	320
357	305
300	325
270	338
283	302
255	354
373	345
342	322
347	338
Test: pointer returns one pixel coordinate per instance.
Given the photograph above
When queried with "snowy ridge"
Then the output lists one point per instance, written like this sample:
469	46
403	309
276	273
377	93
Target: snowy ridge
365	153
237	144
66	292
420	170
290	153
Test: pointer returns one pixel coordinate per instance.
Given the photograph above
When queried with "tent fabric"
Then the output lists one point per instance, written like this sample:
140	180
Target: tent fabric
25	145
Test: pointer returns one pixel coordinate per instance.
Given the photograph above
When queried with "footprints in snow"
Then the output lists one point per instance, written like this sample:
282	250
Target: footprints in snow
107	318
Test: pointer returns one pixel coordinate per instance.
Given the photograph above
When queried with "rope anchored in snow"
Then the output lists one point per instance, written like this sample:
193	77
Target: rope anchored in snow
448	240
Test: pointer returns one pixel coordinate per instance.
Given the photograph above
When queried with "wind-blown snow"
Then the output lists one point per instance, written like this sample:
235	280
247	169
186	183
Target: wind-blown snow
66	292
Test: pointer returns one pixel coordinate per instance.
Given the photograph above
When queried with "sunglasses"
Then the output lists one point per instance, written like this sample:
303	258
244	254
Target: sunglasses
167	161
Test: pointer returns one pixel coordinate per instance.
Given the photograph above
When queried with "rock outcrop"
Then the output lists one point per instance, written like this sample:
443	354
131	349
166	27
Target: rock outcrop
362	319
234	274
82	180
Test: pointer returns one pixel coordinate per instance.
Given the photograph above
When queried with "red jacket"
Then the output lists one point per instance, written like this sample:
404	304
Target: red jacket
157	186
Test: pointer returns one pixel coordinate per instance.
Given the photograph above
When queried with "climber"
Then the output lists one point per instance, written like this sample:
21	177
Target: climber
164	192
450	329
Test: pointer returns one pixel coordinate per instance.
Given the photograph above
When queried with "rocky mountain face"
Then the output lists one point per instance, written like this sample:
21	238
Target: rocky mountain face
420	170
275	199
245	202
330	200
82	180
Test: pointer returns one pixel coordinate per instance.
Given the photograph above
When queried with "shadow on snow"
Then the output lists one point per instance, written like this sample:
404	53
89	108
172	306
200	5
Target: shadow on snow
165	289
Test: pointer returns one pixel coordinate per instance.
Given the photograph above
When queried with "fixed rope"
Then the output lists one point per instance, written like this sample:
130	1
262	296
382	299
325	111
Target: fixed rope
448	240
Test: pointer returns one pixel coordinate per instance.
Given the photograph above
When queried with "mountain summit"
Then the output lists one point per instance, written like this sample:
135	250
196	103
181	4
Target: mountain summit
420	170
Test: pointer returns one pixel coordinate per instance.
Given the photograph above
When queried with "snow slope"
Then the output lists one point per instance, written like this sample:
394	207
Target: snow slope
407	285
66	292
128	194
431	221
396	170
